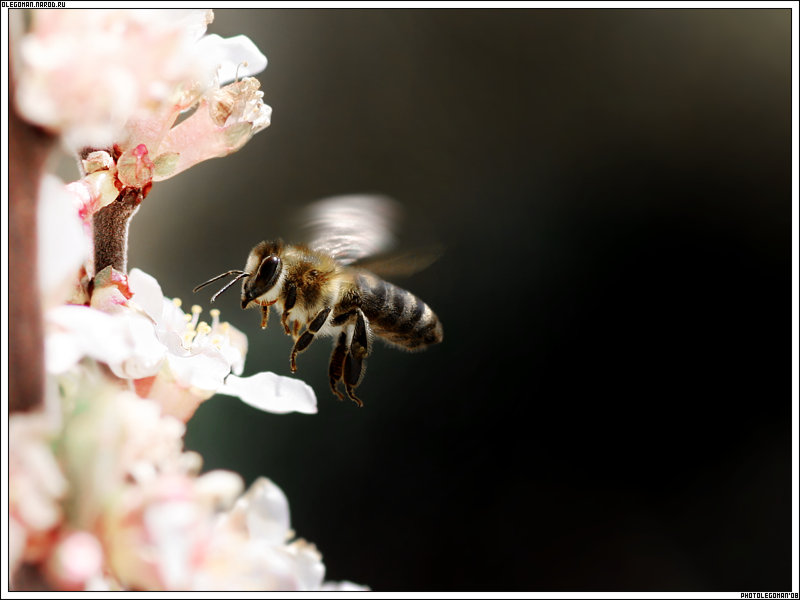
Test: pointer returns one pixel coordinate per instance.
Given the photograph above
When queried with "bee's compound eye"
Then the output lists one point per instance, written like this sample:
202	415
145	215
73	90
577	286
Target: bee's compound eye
268	272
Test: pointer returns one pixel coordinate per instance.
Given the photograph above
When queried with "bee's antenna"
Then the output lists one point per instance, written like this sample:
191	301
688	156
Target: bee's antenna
213	279
230	283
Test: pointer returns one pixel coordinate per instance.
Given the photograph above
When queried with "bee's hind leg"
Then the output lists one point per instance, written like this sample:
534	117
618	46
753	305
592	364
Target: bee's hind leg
355	364
305	340
336	367
288	303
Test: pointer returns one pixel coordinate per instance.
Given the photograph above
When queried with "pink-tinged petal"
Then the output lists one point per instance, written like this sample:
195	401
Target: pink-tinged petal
175	400
234	57
111	291
272	393
149	127
93	192
109	277
63	243
109	300
221	125
84	73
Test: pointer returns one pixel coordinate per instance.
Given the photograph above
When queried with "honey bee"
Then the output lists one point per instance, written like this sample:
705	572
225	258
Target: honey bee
327	288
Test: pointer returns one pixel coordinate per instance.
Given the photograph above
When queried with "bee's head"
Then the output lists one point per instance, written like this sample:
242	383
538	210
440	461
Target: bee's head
262	274
265	270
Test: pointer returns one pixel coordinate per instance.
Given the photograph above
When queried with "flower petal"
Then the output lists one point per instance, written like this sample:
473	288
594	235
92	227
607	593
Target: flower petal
63	245
219	488
266	512
81	331
147	352
86	72
272	393
223	122
147	293
234	56
309	569
205	370
173	528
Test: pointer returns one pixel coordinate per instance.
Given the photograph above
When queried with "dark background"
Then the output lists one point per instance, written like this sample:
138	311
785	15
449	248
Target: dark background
610	409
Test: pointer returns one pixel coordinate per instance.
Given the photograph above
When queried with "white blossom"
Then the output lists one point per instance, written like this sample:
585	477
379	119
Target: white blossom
88	73
154	338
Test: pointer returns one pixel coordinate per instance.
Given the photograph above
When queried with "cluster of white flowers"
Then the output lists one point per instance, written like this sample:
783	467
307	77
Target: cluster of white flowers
102	494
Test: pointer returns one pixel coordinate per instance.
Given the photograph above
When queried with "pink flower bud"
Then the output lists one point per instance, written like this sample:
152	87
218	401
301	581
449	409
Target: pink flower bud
134	168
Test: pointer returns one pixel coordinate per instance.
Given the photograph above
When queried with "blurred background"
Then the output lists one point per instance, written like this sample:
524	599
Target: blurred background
610	409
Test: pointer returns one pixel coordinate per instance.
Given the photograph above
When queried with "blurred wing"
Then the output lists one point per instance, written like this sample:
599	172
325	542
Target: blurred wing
351	227
401	264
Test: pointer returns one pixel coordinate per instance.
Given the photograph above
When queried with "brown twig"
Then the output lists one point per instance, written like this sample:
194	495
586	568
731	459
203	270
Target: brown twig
110	226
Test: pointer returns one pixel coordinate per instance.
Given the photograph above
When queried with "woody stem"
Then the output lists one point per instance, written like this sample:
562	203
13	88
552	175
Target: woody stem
110	225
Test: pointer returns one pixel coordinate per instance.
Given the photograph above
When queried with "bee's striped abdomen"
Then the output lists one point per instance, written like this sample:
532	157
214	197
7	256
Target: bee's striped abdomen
397	315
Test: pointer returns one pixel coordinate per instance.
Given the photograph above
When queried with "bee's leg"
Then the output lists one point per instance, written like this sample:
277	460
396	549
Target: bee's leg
343	318
264	315
355	366
288	304
336	367
339	355
308	336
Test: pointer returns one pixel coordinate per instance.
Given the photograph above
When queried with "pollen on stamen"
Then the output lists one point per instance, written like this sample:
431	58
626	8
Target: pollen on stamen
177	302
214	312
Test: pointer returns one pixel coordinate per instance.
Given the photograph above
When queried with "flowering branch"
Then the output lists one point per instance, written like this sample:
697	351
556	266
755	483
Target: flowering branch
106	370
